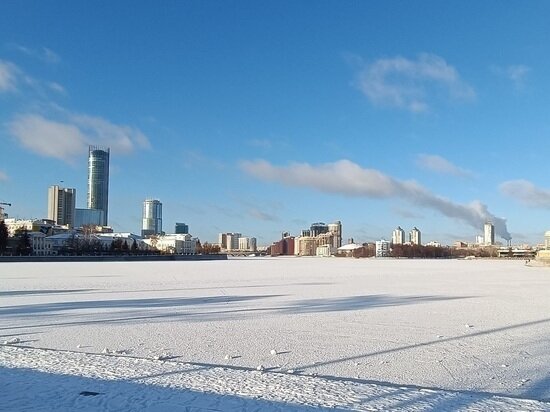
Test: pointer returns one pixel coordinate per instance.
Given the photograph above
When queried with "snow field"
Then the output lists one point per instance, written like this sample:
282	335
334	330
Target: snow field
479	326
45	380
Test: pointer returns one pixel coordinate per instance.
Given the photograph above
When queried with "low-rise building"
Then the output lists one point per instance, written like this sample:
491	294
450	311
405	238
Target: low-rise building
283	247
180	244
45	226
305	246
41	244
324	250
382	248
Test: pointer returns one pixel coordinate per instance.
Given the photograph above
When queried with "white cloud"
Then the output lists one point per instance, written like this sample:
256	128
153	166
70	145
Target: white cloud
441	165
517	74
408	84
120	138
56	87
3	176
70	138
526	193
42	53
347	178
12	79
48	138
50	55
8	76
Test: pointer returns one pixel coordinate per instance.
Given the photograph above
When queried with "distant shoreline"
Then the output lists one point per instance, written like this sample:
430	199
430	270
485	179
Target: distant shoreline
127	258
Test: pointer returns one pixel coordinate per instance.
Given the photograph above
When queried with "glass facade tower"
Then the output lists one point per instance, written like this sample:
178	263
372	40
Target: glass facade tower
152	218
98	180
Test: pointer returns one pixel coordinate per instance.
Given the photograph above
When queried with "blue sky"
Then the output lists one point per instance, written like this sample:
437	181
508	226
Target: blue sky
262	117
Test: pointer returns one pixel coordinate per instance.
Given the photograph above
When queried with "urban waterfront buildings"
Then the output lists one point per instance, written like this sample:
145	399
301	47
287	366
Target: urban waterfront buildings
284	247
236	242
232	241
489	234
152	217
61	205
398	236
88	217
415	236
181	229
247	243
98	181
383	248
180	244
336	229
320	235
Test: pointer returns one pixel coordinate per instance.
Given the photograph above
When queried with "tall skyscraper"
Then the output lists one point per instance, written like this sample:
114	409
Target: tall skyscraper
98	180
152	217
61	205
489	233
398	236
414	236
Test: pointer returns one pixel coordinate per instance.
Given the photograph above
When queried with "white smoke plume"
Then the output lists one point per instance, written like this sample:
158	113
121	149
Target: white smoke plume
347	178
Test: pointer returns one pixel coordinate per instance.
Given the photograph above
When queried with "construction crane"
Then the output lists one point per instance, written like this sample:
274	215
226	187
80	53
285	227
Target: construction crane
5	204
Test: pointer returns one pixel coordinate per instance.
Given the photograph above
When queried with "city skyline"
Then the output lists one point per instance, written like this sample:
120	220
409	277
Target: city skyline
263	119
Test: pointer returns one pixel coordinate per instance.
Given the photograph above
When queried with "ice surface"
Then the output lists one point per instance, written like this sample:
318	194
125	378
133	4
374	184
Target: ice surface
445	324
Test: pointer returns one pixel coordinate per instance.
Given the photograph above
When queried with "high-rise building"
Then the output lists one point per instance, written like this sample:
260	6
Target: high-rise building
489	233
182	229
398	236
247	243
233	241
414	236
336	229
98	180
222	240
61	205
152	217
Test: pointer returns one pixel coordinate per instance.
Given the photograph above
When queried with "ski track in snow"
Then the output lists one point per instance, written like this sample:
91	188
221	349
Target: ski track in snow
48	380
275	334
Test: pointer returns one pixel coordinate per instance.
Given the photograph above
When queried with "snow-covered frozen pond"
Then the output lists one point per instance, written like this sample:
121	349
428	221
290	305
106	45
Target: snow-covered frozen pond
480	326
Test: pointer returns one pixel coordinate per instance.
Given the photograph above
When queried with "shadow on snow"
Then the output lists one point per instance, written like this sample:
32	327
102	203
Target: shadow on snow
27	389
